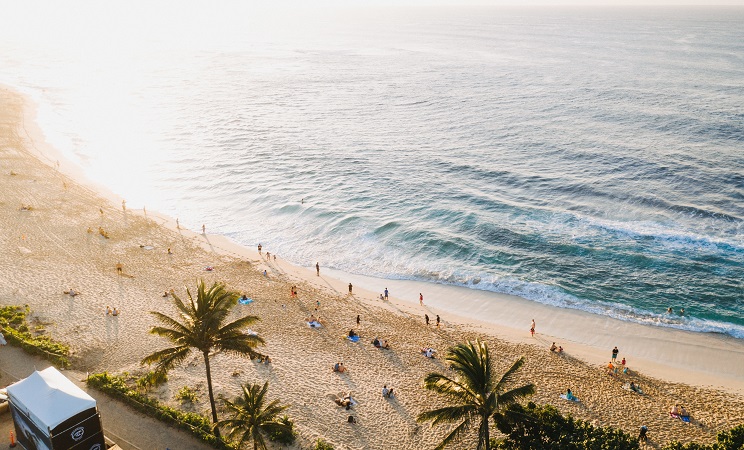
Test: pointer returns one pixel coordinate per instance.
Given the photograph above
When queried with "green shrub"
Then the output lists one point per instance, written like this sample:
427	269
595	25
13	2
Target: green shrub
186	394
538	427
151	379
284	437
16	331
199	425
732	439
320	444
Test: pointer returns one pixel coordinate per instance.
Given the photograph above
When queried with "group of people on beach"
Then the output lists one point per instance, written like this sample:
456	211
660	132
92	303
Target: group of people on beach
679	412
426	319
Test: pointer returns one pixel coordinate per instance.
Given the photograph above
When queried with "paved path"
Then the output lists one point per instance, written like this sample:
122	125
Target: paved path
130	429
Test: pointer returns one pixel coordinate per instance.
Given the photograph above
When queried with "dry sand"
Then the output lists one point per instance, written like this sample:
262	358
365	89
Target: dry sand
48	250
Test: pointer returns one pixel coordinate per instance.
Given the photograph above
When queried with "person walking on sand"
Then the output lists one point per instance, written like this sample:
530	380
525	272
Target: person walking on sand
204	229
359	319
178	224
317	268
532	328
437	320
386	294
350	287
421	299
123	205
426	318
615	351
119	269
259	249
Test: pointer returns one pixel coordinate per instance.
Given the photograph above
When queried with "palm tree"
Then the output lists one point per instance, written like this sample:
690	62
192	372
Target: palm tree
251	418
201	328
475	392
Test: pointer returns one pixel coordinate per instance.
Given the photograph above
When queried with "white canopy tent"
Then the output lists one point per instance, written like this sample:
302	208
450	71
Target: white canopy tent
49	398
51	413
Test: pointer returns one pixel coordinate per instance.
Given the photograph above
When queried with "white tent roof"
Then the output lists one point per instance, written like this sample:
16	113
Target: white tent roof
49	398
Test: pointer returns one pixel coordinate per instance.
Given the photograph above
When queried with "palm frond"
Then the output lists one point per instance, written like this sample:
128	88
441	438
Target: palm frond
516	394
472	361
239	324
168	358
446	386
171	322
509	374
447	414
454	435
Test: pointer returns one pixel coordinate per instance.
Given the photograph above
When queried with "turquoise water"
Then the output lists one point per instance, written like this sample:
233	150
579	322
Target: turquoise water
589	159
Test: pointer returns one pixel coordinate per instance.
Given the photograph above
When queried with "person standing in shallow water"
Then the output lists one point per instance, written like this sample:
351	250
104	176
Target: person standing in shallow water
317	268
532	327
350	286
386	294
437	320
421	299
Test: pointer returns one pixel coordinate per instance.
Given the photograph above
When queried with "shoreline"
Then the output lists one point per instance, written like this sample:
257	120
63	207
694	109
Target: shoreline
695	358
48	251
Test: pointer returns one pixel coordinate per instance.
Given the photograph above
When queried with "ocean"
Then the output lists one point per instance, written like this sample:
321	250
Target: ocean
581	158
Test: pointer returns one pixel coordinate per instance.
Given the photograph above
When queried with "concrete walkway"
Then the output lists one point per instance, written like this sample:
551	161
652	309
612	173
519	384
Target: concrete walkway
130	429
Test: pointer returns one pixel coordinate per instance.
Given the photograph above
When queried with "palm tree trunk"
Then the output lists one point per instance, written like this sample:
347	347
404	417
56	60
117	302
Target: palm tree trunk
211	393
484	437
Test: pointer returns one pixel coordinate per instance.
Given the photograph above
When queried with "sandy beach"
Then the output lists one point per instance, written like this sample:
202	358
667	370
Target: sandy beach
58	244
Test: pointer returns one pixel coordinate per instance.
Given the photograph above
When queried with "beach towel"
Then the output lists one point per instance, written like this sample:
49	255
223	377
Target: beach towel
353	338
245	301
314	324
674	416
563	396
685	419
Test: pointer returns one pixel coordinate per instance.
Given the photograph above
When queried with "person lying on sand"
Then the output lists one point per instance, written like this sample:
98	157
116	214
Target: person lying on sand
428	352
380	343
72	292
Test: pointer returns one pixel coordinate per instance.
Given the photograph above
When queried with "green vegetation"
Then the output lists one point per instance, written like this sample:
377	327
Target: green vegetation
151	379
203	329
320	444
251	417
286	435
539	427
726	440
476	393
187	395
15	327
197	424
